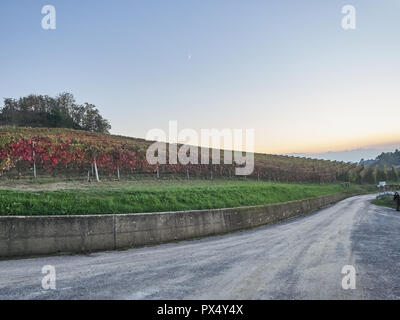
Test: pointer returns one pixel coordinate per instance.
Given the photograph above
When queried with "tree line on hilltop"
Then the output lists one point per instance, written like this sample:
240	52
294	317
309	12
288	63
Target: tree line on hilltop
61	111
387	159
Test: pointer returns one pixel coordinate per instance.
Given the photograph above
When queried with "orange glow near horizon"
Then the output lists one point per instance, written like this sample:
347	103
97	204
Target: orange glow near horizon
375	140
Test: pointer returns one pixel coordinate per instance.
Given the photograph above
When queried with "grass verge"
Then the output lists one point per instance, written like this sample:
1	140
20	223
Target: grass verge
155	197
385	200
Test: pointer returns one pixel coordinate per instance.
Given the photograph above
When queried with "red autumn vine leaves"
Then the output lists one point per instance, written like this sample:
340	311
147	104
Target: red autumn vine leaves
51	150
54	148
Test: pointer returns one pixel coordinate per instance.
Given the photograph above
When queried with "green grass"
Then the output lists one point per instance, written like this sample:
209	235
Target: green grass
153	196
385	200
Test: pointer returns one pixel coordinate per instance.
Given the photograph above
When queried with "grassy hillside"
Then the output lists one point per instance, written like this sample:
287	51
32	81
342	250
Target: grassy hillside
71	153
152	196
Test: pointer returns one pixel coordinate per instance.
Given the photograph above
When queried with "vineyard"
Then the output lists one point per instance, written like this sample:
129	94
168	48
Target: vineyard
52	151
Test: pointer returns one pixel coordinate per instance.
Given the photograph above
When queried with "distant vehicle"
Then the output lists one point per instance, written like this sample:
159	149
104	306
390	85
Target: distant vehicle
382	186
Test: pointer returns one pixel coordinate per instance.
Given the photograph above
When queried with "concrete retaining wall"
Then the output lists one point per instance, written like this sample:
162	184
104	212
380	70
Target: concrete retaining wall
45	235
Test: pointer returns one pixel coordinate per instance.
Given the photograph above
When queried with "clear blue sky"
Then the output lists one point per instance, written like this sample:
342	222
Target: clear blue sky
285	68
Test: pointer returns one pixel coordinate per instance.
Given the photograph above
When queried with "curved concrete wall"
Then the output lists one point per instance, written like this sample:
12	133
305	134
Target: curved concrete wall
44	235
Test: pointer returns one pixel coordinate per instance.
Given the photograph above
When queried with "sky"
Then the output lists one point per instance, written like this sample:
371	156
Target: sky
285	68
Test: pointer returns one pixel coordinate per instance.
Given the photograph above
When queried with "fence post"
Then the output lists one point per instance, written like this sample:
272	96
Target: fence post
95	170
34	159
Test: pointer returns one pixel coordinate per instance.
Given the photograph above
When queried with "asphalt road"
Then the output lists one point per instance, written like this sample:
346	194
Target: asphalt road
296	259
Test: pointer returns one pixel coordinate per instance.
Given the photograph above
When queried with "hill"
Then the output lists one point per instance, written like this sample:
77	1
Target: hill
31	152
385	159
353	155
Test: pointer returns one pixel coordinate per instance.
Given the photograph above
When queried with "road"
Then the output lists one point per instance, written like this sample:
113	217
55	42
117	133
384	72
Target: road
300	258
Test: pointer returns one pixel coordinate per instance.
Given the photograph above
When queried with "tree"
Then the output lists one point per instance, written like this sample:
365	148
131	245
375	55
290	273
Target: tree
393	174
367	175
59	112
9	111
355	174
92	120
375	174
384	174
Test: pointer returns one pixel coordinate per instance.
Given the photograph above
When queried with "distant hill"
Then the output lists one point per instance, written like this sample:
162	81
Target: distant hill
353	155
387	159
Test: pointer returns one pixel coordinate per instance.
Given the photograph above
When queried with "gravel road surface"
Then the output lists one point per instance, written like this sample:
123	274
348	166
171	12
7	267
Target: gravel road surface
300	258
